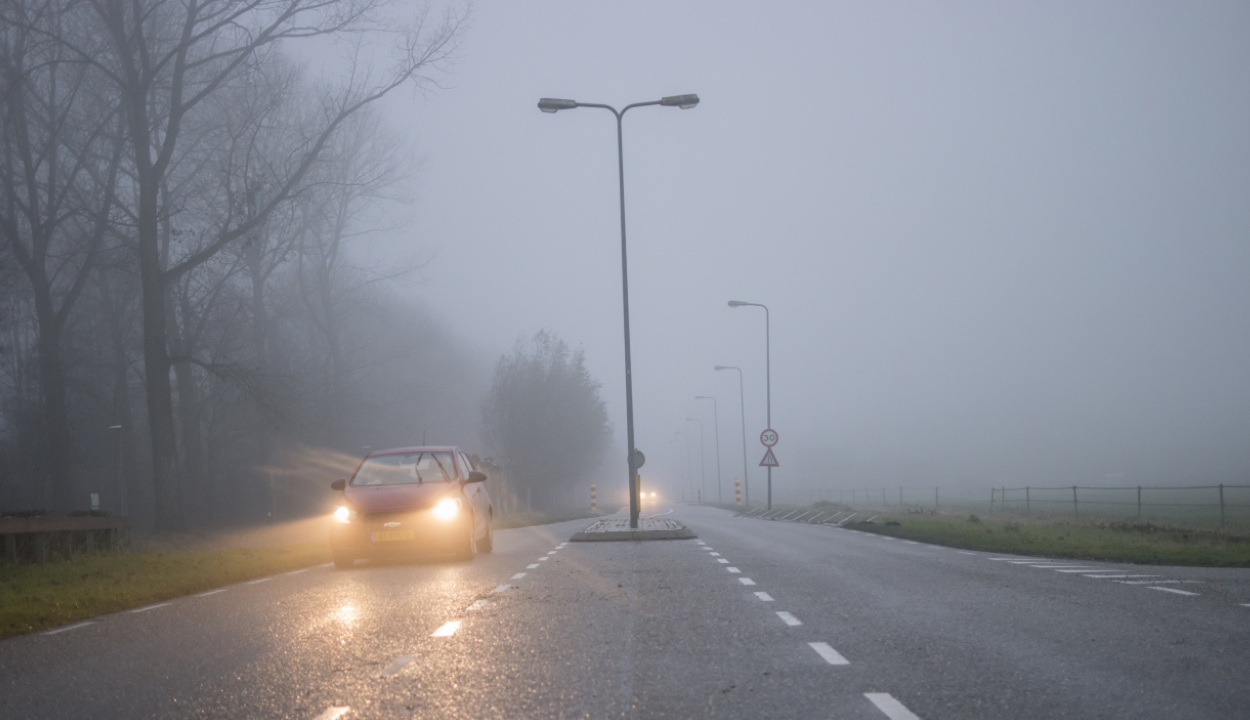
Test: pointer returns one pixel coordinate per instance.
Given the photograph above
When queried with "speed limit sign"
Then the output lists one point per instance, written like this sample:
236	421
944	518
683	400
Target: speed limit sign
769	438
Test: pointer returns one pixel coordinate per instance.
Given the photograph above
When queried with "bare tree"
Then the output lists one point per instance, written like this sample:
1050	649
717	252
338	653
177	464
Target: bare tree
165	61
59	160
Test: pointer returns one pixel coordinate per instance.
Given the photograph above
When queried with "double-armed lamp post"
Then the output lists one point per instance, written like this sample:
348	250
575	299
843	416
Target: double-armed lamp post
715	424
685	102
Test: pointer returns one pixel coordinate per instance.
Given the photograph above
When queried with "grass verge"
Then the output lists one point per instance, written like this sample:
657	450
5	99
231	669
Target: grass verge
1145	543
526	519
34	598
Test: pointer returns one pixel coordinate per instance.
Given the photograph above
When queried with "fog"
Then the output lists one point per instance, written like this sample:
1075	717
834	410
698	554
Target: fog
999	243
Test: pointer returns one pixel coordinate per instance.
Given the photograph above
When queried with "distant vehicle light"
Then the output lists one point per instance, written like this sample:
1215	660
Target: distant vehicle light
343	514
652	494
447	508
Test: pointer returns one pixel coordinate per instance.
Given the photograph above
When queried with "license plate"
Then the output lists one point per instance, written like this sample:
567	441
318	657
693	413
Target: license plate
388	535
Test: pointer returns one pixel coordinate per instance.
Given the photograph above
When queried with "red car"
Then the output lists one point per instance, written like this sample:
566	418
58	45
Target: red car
410	501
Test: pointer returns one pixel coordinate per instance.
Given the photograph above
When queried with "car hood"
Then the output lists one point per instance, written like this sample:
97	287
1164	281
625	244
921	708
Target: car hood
393	498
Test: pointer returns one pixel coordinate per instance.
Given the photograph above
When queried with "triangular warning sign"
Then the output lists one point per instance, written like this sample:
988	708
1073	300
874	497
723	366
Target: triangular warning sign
770	460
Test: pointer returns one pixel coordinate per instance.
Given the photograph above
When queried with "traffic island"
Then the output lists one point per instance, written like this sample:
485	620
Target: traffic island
614	529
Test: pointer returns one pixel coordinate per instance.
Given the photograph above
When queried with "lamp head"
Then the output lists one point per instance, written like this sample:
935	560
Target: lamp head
704	397
737	303
685	102
723	367
550	105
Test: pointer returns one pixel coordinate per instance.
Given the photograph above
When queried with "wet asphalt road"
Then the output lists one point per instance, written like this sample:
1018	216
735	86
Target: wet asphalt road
755	619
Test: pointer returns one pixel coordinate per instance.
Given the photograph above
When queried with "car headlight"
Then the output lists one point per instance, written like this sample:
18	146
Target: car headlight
344	514
447	508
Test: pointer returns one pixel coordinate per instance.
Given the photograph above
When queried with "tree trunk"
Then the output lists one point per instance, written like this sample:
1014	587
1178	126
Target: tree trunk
59	491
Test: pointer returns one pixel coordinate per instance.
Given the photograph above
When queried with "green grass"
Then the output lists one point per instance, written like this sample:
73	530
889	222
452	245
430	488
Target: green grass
34	597
1145	543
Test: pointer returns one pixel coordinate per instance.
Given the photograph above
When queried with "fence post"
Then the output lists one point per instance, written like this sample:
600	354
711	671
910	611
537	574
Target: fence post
900	495
935	499
1221	504
1002	498
1075	514
992	491
1139	502
1026	498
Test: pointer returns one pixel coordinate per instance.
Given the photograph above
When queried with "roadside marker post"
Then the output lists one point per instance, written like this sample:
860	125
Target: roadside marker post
737	491
592	498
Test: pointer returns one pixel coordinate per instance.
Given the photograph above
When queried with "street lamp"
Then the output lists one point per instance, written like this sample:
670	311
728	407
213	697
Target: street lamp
715	424
768	382
746	485
702	464
685	102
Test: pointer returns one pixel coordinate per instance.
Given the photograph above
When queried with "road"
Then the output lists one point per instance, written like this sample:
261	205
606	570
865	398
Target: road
755	619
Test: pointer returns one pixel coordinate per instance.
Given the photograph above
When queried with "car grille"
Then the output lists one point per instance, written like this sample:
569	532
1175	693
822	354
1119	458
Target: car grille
385	517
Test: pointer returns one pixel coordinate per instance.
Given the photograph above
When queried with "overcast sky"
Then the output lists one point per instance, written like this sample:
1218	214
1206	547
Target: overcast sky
1002	243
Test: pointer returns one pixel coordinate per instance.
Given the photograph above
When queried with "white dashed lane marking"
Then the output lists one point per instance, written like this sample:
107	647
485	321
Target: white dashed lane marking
733	569
789	619
553	552
150	607
892	708
531	567
518	576
542	559
396	666
212	592
67	628
723	560
746	581
764	596
715	554
829	655
1173	590
333	713
447	629
478	605
502	588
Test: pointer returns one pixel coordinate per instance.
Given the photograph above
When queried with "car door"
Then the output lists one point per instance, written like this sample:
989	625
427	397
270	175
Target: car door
477	496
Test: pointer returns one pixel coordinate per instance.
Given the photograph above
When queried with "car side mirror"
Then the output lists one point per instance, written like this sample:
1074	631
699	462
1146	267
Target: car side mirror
338	484
477	476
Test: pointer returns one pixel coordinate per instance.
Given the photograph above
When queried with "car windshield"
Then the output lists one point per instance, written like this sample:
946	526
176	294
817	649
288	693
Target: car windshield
400	469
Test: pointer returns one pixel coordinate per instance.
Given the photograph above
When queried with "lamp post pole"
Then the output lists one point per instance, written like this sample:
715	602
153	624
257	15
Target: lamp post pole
702	464
716	425
685	102
768	379
746	485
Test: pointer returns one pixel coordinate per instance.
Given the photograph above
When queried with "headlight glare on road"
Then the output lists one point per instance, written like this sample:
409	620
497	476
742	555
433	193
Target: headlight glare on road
447	508
344	514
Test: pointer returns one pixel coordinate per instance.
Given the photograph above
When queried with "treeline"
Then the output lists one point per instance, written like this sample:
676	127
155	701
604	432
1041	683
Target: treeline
179	308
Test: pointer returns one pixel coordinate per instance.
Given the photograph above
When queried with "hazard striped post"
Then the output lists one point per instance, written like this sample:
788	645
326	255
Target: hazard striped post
592	498
737	491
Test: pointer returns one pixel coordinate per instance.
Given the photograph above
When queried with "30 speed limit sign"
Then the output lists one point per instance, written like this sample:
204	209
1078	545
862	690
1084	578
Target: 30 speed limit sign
769	438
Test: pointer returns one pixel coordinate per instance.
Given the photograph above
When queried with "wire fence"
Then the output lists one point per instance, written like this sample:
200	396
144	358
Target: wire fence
1190	505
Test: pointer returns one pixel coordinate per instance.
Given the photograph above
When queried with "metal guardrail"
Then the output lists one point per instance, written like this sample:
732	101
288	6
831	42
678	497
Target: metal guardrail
35	537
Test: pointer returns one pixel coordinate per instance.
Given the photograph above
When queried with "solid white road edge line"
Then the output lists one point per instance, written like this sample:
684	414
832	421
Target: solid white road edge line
965	552
789	619
830	655
1173	590
746	581
333	713
1079	570
67	628
769	598
253	582
892	708
150	607
297	572
212	592
1149	582
447	629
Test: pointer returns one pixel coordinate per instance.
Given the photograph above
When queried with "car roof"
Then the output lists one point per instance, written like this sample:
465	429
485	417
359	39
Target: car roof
415	449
